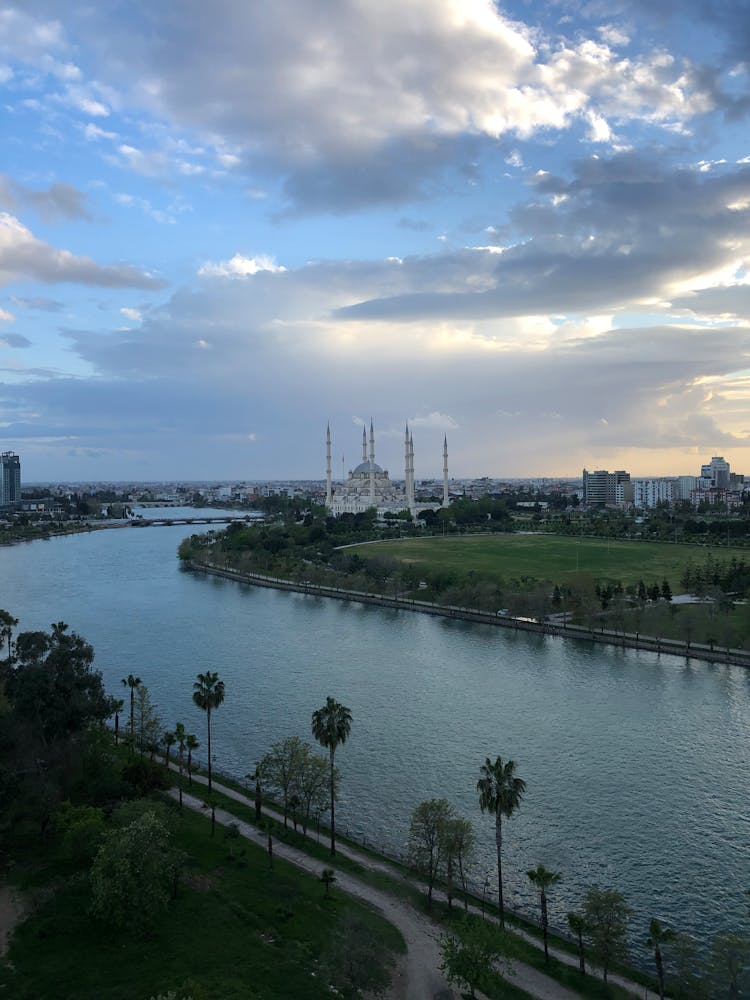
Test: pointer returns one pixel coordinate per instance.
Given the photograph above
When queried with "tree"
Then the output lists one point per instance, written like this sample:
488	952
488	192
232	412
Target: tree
542	878
192	744
7	624
180	735
468	960
208	694
657	936
328	877
427	839
312	783
52	687
281	768
168	739
131	877
118	705
730	966
577	924
606	914
457	847
331	726
148	727
132	682
500	792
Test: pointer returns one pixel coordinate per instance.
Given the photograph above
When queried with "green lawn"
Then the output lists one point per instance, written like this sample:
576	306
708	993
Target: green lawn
547	557
237	930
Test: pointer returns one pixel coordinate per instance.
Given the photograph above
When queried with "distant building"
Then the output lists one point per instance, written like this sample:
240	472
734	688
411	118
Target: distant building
368	485
606	489
10	479
684	486
716	473
650	492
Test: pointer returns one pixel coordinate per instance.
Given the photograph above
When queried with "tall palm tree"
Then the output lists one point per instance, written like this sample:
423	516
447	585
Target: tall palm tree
331	725
657	936
500	792
180	735
118	704
132	682
543	878
191	744
208	694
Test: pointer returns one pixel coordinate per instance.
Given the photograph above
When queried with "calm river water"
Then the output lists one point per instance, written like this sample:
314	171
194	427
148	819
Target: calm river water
637	767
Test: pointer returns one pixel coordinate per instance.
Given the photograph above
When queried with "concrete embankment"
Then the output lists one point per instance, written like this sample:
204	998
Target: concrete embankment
608	637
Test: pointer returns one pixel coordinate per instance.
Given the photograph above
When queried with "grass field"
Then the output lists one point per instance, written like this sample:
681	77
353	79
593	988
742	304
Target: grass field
547	557
237	931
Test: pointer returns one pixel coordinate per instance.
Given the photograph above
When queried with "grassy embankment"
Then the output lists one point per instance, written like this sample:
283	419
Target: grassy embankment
579	563
237	929
400	883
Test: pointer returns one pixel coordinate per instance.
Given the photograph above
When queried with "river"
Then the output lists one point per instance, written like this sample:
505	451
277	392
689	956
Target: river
637	765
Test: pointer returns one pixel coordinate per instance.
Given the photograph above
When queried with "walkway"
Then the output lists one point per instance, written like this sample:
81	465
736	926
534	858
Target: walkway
419	973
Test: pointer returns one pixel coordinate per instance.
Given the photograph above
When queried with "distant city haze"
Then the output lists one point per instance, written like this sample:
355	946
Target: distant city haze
524	231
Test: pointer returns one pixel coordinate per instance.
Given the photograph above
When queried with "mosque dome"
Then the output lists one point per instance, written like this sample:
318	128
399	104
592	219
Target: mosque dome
364	467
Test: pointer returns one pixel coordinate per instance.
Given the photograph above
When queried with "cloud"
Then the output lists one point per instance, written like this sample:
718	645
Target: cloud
59	203
23	256
339	131
14	340
37	302
240	267
130	313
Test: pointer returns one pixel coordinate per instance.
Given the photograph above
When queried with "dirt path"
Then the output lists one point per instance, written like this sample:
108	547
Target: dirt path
526	977
418	973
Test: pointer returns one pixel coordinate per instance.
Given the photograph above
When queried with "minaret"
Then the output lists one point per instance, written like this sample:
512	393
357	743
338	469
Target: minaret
329	488
372	464
364	443
407	465
411	475
446	501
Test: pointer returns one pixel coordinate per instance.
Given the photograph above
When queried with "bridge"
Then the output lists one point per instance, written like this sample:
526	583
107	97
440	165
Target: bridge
150	522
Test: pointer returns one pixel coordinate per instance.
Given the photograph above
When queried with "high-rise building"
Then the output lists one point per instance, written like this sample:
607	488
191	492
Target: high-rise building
717	471
602	488
10	479
650	492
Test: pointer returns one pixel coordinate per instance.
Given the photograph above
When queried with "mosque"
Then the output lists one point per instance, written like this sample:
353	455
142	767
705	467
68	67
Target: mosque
370	486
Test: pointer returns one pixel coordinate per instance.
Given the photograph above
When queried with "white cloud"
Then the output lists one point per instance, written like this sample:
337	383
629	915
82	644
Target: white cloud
129	313
5	316
93	132
239	267
435	420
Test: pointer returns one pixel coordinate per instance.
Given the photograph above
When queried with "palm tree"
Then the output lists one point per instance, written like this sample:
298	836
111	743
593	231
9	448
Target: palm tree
180	735
7	624
657	936
500	792
208	694
168	739
543	878
132	682
118	704
192	744
331	725
577	924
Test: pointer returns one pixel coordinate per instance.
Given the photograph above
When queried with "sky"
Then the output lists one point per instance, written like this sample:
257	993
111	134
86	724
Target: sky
525	226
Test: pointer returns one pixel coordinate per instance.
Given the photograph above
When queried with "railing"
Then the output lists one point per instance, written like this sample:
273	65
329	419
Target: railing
631	640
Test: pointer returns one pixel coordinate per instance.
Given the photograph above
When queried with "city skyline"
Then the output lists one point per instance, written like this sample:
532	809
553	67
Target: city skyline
524	226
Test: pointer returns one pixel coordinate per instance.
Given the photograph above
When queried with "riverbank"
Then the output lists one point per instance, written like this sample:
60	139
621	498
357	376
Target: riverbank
628	640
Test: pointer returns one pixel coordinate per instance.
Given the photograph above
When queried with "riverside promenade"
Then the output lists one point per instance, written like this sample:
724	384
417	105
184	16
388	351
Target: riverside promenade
628	640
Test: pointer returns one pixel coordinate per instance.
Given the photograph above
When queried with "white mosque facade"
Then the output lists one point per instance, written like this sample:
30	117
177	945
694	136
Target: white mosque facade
368	485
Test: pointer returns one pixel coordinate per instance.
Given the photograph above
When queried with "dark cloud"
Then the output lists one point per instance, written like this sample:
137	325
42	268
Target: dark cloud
14	340
59	203
622	231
